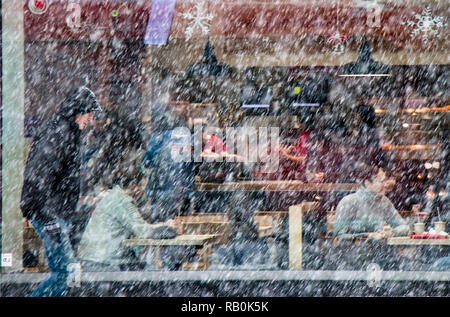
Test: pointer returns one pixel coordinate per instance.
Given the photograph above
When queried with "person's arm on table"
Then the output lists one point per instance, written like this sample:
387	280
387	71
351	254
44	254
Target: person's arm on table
132	220
284	151
345	220
398	224
349	226
401	230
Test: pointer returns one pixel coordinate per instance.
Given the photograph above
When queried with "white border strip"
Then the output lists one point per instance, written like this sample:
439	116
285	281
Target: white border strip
179	276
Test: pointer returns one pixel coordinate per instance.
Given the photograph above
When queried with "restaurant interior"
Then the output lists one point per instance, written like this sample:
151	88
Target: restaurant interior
256	66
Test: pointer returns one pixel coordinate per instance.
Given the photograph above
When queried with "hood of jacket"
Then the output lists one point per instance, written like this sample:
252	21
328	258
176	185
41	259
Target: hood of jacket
78	101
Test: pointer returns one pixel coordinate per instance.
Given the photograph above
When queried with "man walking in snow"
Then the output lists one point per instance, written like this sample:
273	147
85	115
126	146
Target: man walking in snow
51	185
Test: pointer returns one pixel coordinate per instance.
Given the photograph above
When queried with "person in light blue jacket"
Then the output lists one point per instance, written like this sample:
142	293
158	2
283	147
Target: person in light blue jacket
369	213
368	210
117	213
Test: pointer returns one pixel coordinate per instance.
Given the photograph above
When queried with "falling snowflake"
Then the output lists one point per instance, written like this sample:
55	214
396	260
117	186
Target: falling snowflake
426	24
337	40
197	19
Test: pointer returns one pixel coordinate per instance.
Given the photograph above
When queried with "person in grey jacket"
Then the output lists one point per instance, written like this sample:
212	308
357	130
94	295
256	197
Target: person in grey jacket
369	211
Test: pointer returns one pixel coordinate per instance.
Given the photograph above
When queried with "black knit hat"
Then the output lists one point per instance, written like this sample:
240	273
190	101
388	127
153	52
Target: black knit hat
78	101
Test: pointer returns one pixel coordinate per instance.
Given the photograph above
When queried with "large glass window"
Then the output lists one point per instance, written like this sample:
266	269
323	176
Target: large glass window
233	135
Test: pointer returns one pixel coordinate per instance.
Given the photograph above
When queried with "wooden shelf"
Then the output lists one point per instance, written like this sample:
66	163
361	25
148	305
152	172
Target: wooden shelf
277	186
187	103
409	241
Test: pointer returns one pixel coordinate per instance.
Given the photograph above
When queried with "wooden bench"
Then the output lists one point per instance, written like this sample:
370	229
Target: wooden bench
216	224
269	222
204	223
204	241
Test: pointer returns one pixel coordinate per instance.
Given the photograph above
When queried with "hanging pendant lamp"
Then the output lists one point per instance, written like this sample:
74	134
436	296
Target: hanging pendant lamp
365	66
208	66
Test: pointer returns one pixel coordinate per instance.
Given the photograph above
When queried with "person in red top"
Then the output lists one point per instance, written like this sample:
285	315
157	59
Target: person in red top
293	159
212	143
296	156
213	146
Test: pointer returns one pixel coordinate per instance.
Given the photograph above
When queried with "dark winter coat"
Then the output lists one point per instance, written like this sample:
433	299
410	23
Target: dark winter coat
51	184
167	178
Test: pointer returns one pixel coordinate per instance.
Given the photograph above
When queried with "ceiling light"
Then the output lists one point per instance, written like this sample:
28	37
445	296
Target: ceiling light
365	66
208	66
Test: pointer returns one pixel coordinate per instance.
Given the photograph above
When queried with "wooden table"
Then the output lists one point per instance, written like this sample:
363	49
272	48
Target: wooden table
277	186
409	241
204	240
409	245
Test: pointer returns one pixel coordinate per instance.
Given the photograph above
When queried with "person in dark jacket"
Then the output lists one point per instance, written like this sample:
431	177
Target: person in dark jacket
51	185
170	183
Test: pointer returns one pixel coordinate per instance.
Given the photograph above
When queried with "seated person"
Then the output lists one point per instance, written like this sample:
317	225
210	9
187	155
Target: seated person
368	210
116	216
298	152
211	143
292	152
170	182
